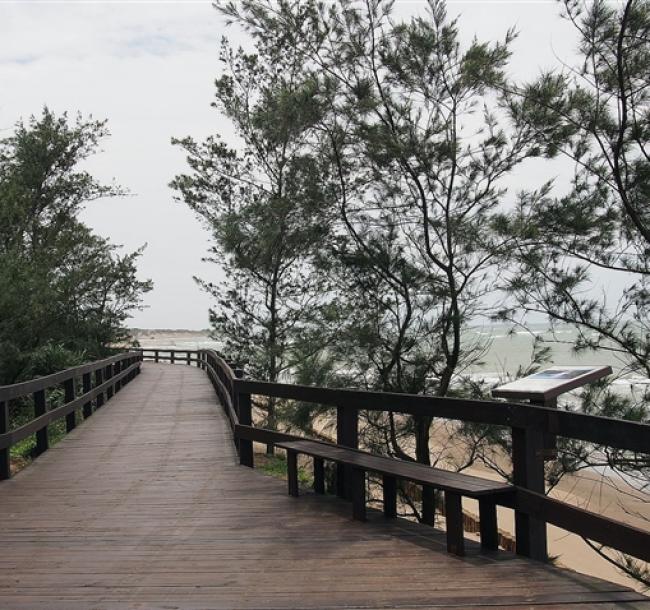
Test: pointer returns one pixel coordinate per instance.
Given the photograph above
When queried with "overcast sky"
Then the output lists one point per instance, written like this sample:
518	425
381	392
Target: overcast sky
149	67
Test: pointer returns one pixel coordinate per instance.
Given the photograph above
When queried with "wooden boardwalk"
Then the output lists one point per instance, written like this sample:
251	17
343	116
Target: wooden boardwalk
145	506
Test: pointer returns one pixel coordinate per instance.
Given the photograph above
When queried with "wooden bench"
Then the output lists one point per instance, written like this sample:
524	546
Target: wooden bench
454	485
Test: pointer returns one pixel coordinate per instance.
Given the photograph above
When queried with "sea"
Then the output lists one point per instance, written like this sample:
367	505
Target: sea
504	351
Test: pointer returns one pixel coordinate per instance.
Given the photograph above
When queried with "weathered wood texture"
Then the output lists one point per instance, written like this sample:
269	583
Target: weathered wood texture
144	505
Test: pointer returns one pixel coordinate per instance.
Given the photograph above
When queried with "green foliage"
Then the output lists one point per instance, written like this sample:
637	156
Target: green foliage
417	157
596	115
276	466
265	206
64	292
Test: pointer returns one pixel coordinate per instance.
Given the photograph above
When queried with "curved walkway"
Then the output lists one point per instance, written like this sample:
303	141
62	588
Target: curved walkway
145	506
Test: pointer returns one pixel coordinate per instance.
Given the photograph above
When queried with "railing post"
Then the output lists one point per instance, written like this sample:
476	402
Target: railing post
156	356
5	454
188	358
199	358
40	407
347	435
239	374
85	388
109	389
528	472
99	379
68	391
172	356
428	505
245	419
117	367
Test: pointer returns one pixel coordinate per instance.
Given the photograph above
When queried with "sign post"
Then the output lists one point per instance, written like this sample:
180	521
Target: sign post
543	388
531	446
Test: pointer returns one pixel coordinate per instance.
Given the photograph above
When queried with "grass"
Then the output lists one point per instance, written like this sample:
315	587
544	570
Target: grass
276	466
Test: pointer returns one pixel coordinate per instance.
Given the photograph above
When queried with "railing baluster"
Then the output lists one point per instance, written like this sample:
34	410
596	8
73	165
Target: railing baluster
86	387
40	408
109	389
117	367
5	454
245	418
69	395
99	379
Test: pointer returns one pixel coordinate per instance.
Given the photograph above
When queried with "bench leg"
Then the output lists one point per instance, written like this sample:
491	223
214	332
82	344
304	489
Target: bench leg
488	524
292	472
319	476
454	518
358	494
390	496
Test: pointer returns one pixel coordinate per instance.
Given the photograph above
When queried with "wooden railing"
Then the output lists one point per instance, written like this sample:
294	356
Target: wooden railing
173	356
529	424
99	380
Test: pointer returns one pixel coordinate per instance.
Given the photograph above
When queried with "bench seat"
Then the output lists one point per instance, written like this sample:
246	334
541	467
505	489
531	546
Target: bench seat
454	485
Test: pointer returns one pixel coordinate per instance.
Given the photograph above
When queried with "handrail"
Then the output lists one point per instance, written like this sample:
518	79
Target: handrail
617	433
529	425
16	390
110	375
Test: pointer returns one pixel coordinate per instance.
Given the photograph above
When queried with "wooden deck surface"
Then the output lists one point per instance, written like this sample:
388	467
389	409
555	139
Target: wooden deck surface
144	506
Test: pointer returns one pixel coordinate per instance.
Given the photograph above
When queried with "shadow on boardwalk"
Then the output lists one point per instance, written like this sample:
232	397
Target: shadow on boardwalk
145	506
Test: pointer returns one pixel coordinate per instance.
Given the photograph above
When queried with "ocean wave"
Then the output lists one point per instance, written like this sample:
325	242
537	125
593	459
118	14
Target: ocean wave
633	380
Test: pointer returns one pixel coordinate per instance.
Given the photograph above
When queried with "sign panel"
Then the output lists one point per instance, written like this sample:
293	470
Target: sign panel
550	383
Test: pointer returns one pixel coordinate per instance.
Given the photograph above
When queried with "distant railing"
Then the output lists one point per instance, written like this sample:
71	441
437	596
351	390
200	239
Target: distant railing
529	424
100	380
173	356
